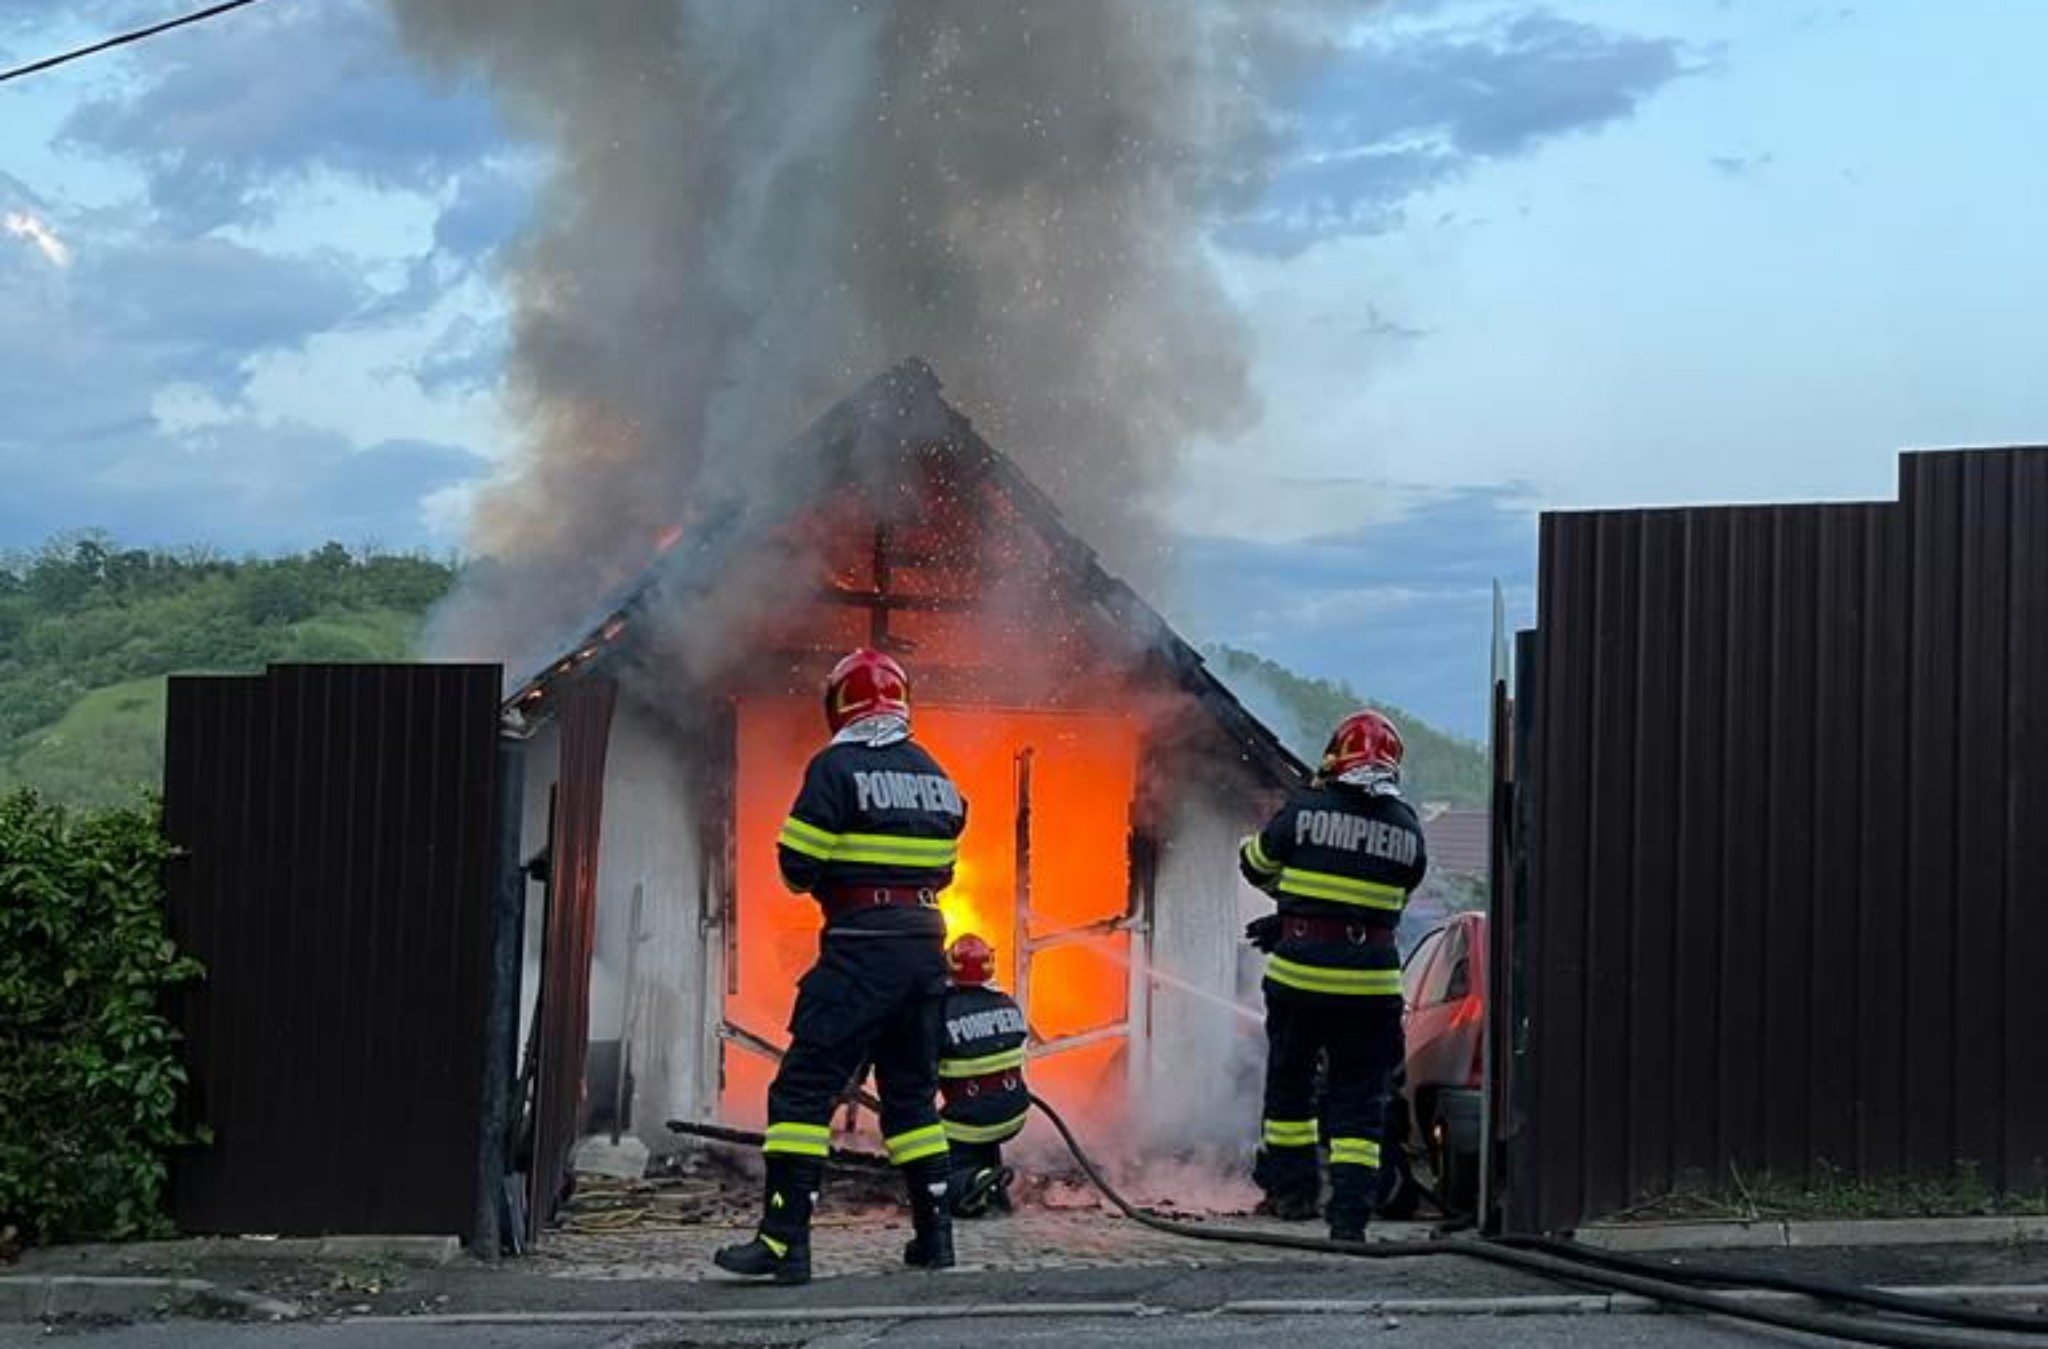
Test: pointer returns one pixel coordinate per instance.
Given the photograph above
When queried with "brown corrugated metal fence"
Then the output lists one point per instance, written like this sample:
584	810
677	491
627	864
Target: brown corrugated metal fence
1784	824
337	827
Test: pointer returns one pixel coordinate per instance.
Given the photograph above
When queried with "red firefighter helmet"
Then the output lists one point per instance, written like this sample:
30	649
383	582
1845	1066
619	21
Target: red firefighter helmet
1364	739
864	684
970	960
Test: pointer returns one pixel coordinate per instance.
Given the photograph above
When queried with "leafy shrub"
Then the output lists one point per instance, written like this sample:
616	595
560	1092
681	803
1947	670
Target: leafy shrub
89	1074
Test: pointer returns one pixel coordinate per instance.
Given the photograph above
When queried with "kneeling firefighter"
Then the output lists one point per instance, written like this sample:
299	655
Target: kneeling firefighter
981	1078
873	837
1340	858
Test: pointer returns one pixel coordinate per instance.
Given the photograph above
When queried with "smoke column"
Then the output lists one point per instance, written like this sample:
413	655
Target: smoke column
753	207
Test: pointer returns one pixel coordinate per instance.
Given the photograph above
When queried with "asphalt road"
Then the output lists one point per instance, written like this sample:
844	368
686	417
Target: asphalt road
1232	1332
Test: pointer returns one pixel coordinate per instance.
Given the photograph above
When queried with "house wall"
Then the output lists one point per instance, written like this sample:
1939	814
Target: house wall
649	840
1199	1074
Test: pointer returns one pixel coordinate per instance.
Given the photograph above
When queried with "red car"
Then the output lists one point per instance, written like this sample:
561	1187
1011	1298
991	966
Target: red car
1444	979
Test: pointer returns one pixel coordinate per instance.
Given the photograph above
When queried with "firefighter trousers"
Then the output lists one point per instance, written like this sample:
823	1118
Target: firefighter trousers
1357	1040
869	1000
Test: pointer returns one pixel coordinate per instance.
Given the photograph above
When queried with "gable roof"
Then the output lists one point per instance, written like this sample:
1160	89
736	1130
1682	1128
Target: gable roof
865	437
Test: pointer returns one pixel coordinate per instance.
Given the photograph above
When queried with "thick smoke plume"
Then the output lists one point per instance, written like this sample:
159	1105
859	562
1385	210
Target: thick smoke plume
752	207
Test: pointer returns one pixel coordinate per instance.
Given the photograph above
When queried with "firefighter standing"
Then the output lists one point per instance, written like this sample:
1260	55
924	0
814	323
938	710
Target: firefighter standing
873	837
1340	858
981	1077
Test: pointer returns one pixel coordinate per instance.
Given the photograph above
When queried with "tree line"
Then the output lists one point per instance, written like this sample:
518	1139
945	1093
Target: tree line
83	612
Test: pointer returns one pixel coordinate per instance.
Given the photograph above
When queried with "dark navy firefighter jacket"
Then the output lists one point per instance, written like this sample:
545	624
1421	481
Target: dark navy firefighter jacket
981	1066
871	816
1338	852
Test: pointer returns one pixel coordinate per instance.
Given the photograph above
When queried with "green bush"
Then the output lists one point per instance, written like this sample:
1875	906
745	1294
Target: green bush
89	1073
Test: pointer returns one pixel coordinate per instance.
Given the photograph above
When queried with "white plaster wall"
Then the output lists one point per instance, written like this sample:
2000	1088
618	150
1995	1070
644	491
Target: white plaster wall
1201	1067
650	840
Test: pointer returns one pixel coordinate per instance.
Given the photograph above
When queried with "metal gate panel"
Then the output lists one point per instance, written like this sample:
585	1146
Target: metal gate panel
337	828
1781	829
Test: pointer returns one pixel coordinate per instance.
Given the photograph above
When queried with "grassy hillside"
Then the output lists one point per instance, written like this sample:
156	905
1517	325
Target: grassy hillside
88	633
1301	711
100	752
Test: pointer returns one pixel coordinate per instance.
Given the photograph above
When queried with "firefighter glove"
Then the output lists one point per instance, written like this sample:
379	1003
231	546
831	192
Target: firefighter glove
1263	933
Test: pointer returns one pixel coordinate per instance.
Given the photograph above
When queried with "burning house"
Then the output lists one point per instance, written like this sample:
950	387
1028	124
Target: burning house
1109	775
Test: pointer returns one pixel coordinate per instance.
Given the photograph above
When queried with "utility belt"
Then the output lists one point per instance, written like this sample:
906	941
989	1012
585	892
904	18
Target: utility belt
841	900
958	1090
1335	930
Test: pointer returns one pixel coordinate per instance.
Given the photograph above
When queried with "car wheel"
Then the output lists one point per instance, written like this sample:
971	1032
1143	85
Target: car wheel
1458	1182
1454	1152
1400	1196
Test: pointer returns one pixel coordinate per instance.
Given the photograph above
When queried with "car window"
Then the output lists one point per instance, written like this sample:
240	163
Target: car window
1459	985
1449	953
1417	968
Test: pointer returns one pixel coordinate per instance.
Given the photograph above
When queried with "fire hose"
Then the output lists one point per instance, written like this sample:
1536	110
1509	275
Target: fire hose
1570	1263
1691	1287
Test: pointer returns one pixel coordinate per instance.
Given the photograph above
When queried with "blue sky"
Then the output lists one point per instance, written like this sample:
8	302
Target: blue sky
1517	257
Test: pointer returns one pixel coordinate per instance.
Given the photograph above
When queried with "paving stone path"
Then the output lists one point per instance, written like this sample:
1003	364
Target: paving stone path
871	1242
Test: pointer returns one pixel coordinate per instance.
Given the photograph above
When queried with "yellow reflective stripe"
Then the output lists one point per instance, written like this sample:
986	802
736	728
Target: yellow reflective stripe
1354	1152
791	1148
1290	1133
892	850
985	1133
916	1144
799	1140
1324	979
797	843
805	829
947	846
1341	889
987	1063
781	1248
1255	853
898	850
807	839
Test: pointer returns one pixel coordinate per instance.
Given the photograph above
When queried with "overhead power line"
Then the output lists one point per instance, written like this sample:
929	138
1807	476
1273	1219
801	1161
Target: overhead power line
121	40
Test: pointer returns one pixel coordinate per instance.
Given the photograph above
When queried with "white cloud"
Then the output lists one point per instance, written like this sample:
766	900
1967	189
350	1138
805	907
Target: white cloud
23	225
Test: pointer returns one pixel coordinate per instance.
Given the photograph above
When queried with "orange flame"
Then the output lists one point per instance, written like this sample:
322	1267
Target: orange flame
962	905
668	538
1084	782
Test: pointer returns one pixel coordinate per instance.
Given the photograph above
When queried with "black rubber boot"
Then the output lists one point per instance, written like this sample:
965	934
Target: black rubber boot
971	1193
1289	1206
781	1249
931	1245
1352	1189
1289	1178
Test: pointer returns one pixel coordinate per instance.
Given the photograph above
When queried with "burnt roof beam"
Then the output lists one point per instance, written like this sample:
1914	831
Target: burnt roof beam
895	602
